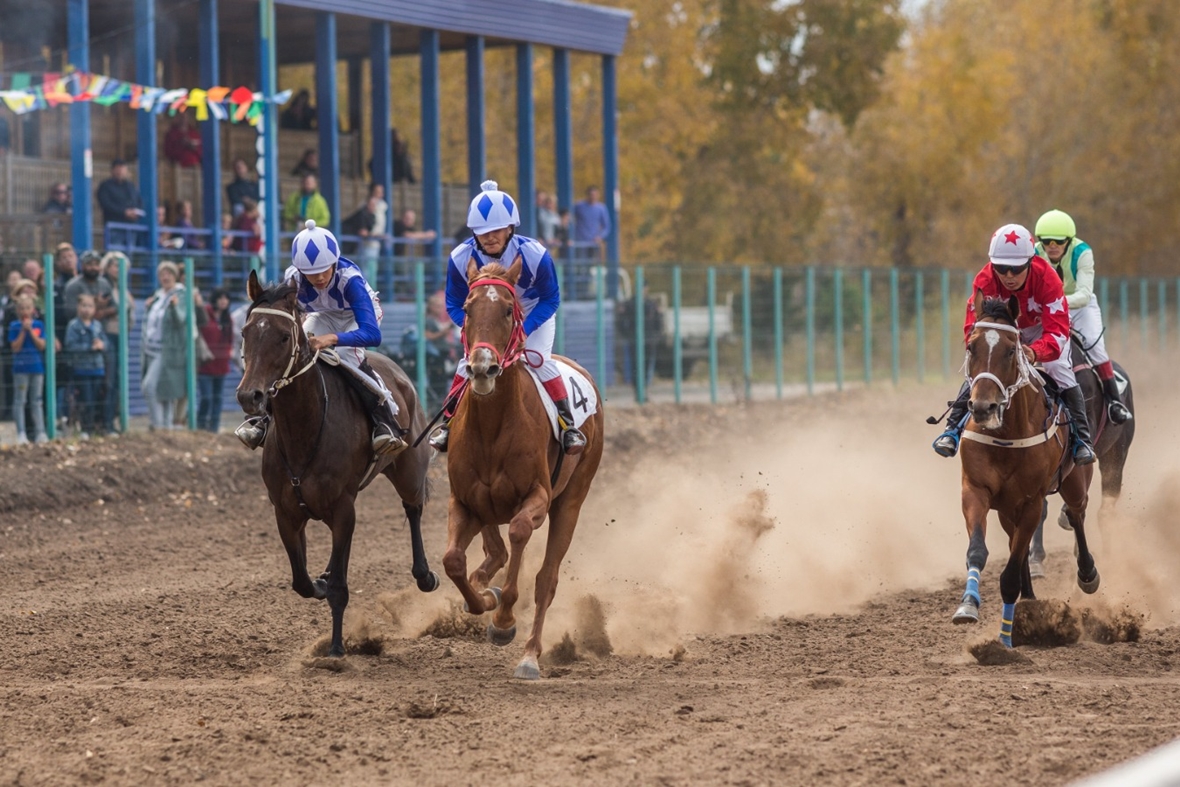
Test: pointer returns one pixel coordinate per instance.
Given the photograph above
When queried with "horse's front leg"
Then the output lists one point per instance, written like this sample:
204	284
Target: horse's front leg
563	518
342	520
1075	491
1015	572
427	580
495	556
975	508
531	515
292	531
461	529
1036	552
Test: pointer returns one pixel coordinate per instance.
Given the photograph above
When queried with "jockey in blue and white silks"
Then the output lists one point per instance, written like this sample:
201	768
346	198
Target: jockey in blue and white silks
342	311
493	218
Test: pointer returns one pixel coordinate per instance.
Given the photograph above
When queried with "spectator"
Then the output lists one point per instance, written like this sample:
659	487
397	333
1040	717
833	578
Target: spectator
118	197
548	220
405	229
26	339
300	114
307	203
309	164
163	361
360	224
184	220
65	269
242	187
110	266
168	239
59	200
371	249
653	336
85	349
22	288
442	335
7	302
182	143
227	224
89	282
591	225
249	220
31	270
218	333
402	170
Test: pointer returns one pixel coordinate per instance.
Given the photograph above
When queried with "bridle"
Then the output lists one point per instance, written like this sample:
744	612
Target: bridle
1023	367
515	347
286	378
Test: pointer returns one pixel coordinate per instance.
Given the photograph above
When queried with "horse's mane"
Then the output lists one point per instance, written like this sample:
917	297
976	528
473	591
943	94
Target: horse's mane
493	270
995	309
274	293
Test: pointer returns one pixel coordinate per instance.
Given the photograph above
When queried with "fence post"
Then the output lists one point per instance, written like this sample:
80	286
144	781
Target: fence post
677	351
1162	289
638	355
810	317
124	365
1104	299
559	339
711	281
1124	313
920	321
1143	299
600	323
50	349
944	281
866	319
190	342
894	326
747	334
423	381
838	319
778	333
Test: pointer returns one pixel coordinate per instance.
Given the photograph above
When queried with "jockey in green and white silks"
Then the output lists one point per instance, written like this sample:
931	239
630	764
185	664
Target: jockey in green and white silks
1073	259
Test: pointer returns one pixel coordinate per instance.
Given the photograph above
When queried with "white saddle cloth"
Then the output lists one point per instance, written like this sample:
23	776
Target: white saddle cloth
583	395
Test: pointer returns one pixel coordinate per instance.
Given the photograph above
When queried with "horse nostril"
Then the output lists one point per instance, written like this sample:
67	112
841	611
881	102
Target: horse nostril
494	370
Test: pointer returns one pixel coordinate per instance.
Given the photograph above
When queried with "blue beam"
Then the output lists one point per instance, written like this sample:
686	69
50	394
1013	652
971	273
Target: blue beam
207	46
326	99
526	141
379	55
146	148
477	148
563	139
431	149
81	161
269	163
610	167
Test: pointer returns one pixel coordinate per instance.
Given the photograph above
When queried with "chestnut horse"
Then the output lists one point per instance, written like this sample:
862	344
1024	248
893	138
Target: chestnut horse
500	459
1015	452
318	454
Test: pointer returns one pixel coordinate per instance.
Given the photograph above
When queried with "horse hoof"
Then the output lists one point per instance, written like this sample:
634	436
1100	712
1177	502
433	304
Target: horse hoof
527	670
1036	569
501	637
966	613
1063	520
319	589
495	592
1090	586
429	583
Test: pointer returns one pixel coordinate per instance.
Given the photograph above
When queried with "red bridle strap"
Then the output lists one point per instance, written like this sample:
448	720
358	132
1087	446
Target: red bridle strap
515	346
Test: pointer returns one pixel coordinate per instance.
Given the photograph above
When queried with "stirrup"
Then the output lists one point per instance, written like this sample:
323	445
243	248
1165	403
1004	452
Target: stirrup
439	437
947	444
252	432
1083	454
386	441
573	442
1118	412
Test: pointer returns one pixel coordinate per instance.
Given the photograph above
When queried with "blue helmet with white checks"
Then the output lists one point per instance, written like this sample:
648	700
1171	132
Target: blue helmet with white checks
314	249
492	209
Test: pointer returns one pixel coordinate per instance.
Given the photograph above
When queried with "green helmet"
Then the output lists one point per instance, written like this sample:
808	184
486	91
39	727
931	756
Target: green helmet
1056	224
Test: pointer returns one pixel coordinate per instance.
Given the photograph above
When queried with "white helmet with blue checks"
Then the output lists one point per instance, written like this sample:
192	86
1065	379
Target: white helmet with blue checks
492	209
314	249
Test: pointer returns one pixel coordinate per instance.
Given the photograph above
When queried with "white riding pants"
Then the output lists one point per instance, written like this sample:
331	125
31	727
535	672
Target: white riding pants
323	323
1060	370
1087	321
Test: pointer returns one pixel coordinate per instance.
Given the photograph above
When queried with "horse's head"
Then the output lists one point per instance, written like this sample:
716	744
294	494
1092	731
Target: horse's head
273	343
996	366
493	333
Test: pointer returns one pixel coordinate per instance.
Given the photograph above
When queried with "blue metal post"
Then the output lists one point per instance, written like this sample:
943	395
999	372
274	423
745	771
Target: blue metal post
920	321
51	339
420	322
778	333
81	160
895	325
866	320
809	304
379	55
477	156
610	166
944	281
1124	314
190	345
838	319
326	100
712	303
431	148
559	325
124	367
747	335
563	140
1103	292
268	168
1162	289
146	147
638	355
1143	309
526	141
600	325
207	46
677	350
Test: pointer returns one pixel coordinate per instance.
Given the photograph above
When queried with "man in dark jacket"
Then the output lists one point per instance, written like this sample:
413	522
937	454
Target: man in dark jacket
118	197
242	188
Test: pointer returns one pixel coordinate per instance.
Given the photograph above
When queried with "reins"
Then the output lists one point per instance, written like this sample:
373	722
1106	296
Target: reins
515	347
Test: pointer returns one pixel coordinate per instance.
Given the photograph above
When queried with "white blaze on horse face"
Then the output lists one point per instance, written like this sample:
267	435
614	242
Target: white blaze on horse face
493	296
992	337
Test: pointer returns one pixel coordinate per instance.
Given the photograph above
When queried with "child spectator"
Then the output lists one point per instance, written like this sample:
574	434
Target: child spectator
218	333
26	337
85	346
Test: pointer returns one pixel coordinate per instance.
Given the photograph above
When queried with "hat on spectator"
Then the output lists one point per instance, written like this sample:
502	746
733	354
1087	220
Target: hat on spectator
492	210
1011	245
20	285
314	249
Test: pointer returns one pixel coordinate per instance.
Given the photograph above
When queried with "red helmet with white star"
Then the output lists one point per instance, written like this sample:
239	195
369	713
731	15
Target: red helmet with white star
1011	245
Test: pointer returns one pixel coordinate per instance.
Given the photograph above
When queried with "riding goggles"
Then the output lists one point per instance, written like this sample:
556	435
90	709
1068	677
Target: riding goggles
1054	241
1012	270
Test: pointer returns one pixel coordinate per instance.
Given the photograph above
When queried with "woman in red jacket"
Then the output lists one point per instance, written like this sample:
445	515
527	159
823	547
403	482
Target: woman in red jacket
1015	269
218	333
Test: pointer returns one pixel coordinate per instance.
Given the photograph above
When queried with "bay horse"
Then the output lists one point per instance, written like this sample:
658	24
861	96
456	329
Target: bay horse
1015	452
318	454
501	460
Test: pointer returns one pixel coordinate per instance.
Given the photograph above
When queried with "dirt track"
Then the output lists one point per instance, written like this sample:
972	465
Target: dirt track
777	606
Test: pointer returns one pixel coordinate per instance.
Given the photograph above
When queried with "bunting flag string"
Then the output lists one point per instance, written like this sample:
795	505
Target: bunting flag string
219	103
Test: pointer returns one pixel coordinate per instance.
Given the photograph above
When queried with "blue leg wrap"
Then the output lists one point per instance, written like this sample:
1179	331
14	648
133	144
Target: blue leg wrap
1007	615
973	586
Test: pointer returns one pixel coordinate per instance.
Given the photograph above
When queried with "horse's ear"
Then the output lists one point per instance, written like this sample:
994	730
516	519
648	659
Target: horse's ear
977	302
253	287
1013	308
515	269
472	269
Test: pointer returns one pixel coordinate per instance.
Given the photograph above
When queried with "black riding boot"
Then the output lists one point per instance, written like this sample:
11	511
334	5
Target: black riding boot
947	443
388	436
1083	451
1119	413
572	439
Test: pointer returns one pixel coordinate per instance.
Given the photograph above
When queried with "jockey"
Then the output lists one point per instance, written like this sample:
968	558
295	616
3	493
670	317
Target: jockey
341	311
1015	269
1056	235
493	218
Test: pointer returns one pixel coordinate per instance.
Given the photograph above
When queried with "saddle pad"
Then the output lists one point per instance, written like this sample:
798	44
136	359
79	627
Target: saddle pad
583	396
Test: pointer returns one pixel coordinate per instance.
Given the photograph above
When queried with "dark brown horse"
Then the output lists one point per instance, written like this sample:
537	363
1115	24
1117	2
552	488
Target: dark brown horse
318	454
1015	452
500	459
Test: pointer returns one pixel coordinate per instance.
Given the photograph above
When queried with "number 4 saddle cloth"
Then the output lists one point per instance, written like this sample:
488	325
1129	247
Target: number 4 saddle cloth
583	395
